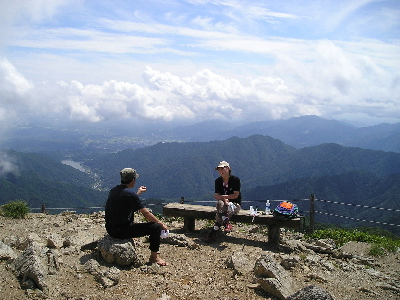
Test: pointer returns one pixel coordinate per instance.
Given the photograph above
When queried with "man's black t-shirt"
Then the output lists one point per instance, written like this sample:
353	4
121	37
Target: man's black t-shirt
120	206
233	185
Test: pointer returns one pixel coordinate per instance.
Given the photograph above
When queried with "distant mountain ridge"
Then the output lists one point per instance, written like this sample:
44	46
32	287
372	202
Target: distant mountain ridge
60	139
301	132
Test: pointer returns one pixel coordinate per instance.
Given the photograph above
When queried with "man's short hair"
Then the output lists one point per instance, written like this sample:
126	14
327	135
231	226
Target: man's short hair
127	175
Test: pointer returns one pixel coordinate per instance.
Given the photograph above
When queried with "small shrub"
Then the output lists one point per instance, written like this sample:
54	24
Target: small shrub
17	209
377	250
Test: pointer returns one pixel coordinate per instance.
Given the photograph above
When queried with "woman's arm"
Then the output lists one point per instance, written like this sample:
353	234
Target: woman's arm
226	198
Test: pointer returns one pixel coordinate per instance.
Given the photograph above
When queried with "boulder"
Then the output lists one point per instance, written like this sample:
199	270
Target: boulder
33	266
311	292
54	240
240	263
6	252
289	262
272	277
180	240
107	277
120	252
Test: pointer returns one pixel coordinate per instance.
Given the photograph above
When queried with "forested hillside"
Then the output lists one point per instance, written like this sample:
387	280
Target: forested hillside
172	170
39	180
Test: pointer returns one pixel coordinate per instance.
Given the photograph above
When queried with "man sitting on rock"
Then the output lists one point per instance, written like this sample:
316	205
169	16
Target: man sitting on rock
119	214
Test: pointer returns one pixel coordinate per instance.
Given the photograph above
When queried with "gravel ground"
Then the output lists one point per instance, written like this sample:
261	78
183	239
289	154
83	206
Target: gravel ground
200	273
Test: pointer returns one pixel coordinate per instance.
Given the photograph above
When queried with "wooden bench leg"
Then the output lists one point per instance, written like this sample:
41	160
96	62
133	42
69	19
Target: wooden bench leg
273	235
189	223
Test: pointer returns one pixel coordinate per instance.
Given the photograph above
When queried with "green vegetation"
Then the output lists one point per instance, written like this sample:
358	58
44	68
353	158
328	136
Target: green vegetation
380	243
17	209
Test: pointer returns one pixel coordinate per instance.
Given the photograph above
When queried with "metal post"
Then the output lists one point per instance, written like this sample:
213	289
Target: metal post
312	213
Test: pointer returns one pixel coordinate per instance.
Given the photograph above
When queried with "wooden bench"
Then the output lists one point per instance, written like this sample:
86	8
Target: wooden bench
192	212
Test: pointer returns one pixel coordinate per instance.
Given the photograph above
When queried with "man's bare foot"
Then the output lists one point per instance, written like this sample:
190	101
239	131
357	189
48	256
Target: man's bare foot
158	261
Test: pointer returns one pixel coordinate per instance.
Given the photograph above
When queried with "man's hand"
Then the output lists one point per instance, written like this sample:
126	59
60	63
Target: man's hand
142	189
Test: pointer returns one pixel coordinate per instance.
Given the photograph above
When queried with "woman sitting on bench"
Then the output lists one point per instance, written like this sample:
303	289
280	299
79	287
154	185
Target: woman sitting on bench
228	196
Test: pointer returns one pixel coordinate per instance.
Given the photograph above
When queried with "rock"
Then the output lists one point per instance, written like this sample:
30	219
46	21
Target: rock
292	246
180	240
14	242
153	268
120	252
356	248
78	238
32	265
6	252
54	240
311	292
316	277
326	243
289	262
110	277
272	277
107	277
52	262
33	237
240	264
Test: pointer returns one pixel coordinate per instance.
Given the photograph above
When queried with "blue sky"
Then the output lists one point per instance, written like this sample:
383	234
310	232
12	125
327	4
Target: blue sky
93	61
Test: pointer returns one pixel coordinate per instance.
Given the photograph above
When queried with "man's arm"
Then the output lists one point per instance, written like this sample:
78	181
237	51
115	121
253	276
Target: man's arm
152	218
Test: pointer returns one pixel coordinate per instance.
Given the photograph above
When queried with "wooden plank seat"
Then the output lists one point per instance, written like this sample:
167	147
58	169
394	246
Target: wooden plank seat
192	212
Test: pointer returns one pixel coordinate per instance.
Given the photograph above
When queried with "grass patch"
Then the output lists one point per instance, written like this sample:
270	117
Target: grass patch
380	243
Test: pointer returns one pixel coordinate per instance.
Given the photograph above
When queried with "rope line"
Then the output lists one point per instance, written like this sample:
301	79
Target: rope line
320	212
355	219
358	205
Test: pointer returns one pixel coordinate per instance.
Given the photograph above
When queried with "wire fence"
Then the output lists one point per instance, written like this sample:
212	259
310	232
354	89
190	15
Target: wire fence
358	206
308	209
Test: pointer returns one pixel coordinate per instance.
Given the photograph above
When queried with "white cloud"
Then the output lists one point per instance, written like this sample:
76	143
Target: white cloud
14	92
341	85
11	81
8	164
204	62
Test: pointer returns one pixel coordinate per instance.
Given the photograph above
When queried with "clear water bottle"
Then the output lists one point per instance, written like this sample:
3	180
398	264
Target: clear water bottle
267	208
251	210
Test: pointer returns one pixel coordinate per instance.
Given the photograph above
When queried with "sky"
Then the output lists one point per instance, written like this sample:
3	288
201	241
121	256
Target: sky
195	60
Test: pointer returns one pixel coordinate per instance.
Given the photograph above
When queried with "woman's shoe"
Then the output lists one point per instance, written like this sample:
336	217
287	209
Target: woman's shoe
228	227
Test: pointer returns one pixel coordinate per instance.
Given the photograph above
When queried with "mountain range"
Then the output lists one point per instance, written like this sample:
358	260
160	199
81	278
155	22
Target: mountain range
60	138
298	132
269	168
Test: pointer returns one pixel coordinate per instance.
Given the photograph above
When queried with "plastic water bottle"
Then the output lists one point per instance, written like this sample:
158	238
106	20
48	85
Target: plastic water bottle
267	208
251	210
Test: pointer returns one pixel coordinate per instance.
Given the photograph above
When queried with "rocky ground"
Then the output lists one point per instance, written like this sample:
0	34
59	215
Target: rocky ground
197	272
